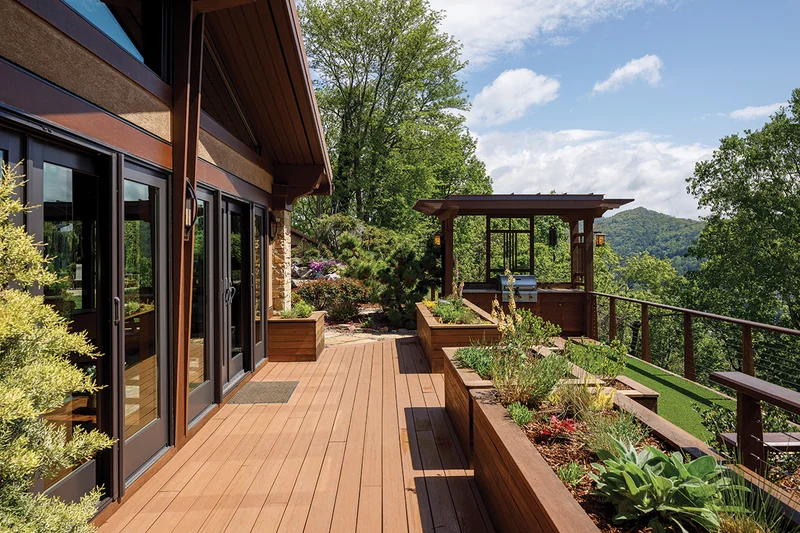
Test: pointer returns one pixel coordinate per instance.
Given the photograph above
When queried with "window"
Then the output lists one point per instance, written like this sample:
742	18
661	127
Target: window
219	100
138	26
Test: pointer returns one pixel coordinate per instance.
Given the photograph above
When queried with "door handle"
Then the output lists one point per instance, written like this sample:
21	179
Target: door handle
117	303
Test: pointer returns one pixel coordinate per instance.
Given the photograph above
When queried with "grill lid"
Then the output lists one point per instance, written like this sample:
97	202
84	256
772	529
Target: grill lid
523	282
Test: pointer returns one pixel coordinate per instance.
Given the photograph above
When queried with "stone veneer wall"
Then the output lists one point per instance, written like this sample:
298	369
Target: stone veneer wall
282	262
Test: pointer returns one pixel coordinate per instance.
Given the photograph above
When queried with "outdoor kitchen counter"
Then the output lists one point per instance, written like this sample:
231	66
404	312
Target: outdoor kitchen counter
564	307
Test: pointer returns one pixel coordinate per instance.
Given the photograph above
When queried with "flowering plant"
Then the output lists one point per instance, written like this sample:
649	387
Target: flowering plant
323	266
558	428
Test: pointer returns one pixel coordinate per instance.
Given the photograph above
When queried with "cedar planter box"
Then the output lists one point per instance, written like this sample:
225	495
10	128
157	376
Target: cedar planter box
296	339
458	382
434	335
520	490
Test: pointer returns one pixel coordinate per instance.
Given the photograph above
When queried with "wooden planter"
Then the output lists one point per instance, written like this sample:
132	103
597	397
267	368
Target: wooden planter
520	490
296	339
458	382
434	335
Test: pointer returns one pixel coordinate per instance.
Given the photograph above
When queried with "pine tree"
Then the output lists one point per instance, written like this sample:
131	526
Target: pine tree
36	374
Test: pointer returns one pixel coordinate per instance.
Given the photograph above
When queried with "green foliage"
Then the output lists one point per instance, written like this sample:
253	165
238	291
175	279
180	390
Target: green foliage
751	186
453	310
406	278
604	429
521	377
300	309
477	358
520	414
606	361
670	493
387	80
750	508
581	401
639	230
340	298
571	473
36	375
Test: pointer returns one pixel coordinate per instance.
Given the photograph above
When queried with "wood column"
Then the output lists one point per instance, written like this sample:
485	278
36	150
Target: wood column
590	322
188	58
447	259
612	319
689	370
748	364
750	433
646	334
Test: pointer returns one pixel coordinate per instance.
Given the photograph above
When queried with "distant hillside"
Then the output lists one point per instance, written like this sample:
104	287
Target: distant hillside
639	230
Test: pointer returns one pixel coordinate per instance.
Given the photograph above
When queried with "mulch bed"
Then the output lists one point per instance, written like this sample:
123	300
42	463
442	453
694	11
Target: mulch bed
562	451
618	385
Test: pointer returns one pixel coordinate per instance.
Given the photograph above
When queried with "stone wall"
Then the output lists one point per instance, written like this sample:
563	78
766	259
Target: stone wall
282	262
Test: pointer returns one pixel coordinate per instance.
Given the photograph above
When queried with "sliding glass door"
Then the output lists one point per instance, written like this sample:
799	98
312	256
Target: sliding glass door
144	304
201	342
235	293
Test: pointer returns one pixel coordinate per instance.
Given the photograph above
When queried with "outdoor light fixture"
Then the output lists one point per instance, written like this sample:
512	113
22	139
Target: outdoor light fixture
189	210
552	237
599	239
273	226
437	239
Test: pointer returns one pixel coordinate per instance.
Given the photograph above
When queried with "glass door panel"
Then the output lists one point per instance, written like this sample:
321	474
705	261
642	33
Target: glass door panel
259	286
144	384
235	278
201	392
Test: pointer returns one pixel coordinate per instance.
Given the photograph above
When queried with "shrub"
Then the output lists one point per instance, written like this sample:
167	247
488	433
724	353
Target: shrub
603	360
603	430
340	297
520	414
405	279
300	309
477	358
571	473
581	401
520	377
36	375
520	327
454	311
651	484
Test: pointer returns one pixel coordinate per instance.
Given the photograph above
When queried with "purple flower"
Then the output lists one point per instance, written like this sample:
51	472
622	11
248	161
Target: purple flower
322	266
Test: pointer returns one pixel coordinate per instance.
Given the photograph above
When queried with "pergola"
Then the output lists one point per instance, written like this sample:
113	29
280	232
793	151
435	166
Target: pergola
578	210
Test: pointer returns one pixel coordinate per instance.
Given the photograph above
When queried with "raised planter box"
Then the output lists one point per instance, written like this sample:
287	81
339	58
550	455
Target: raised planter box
296	339
521	491
434	335
458	382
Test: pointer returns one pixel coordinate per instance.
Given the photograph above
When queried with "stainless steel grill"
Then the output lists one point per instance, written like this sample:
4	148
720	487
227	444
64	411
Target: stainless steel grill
525	289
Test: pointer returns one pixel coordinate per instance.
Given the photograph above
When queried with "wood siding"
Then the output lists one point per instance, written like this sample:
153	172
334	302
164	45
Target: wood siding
296	339
434	335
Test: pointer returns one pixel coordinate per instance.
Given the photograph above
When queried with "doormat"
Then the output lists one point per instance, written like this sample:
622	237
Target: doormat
265	392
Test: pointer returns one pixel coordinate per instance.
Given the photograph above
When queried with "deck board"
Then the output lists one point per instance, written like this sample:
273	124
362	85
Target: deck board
363	445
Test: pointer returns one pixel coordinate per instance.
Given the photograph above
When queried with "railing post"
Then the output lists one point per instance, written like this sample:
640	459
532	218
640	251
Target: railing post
612	319
748	365
689	371
750	433
646	334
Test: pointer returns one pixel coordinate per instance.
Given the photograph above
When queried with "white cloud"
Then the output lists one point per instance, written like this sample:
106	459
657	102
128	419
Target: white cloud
489	29
646	68
750	112
511	96
638	165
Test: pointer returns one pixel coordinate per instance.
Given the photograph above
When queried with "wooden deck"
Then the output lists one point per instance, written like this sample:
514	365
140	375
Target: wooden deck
363	445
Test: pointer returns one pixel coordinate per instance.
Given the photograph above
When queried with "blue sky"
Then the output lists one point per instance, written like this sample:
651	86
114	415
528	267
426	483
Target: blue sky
619	96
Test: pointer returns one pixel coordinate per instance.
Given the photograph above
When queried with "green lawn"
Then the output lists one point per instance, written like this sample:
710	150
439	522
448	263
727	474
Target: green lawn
677	395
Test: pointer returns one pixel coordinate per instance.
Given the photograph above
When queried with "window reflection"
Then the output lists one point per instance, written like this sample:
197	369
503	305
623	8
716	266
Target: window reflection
258	222
198	373
70	241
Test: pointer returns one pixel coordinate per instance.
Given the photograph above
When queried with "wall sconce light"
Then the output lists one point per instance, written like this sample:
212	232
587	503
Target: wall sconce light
552	237
273	226
599	239
189	210
437	239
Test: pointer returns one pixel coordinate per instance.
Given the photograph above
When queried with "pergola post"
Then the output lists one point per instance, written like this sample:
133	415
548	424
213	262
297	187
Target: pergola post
447	256
590	323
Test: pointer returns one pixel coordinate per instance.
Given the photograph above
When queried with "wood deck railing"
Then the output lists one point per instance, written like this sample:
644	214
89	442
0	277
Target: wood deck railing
690	370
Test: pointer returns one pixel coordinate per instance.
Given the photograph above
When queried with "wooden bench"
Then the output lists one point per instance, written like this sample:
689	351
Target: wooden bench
779	442
750	392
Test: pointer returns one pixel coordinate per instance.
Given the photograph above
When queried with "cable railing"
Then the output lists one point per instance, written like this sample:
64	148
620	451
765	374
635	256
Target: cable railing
656	332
